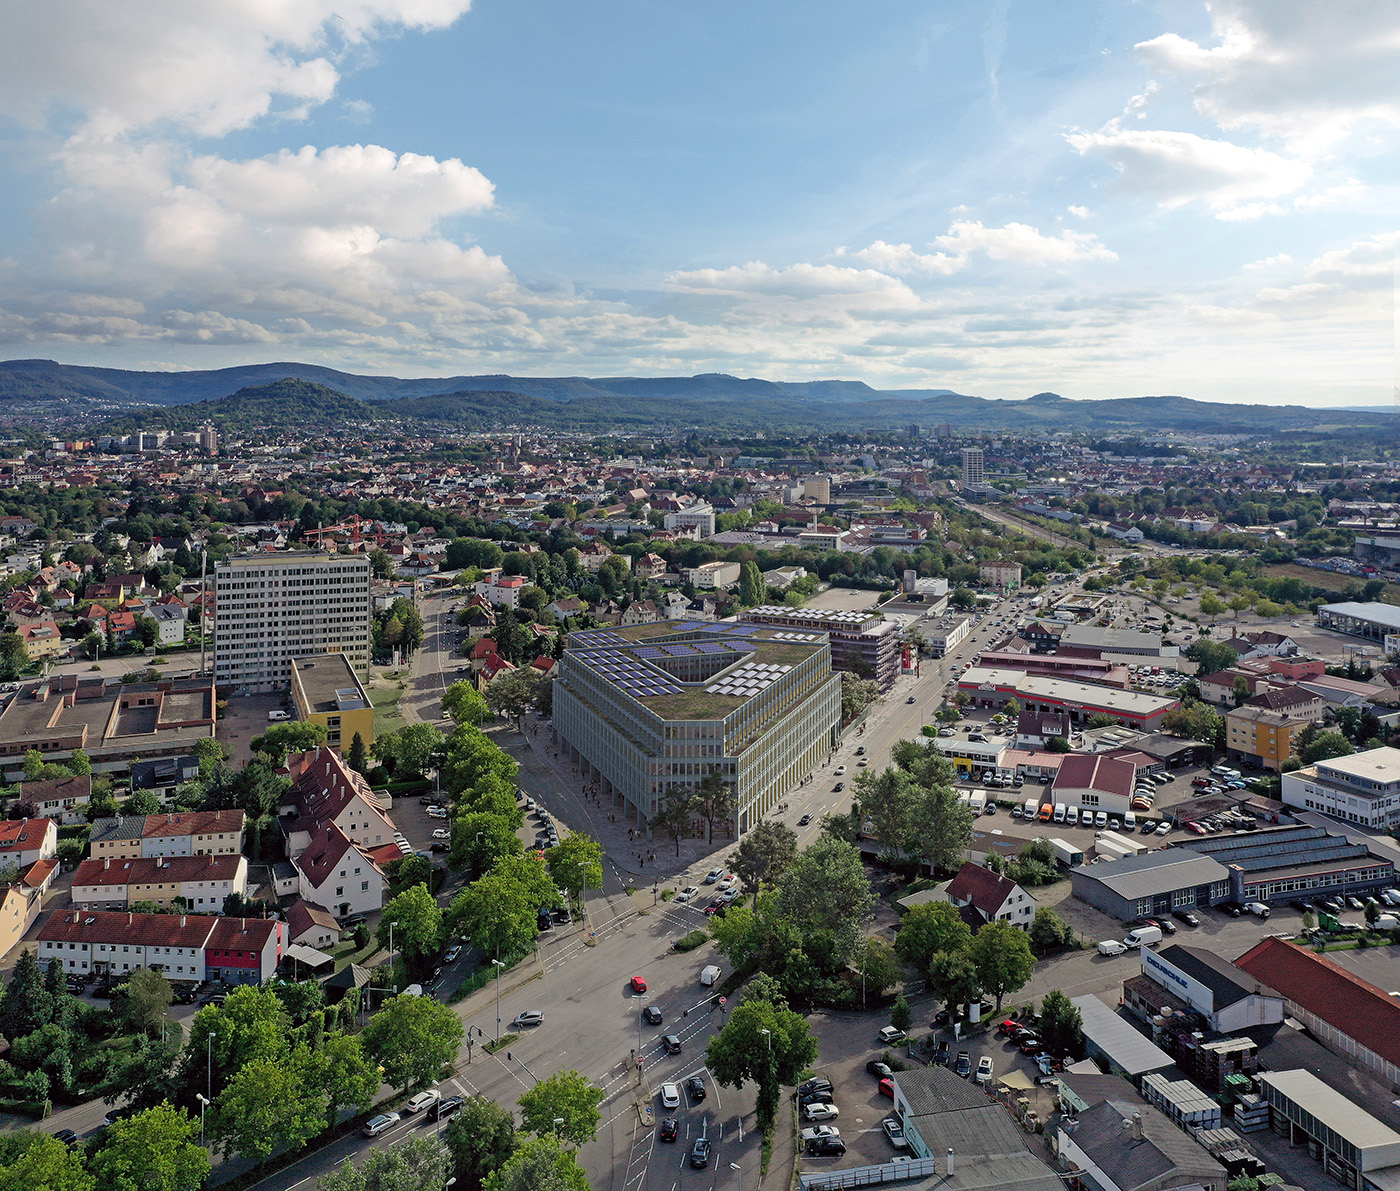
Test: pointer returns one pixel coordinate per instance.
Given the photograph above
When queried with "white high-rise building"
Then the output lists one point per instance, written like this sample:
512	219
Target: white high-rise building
972	467
271	608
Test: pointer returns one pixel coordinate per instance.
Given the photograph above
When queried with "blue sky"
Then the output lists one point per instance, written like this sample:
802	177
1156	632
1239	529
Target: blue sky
996	197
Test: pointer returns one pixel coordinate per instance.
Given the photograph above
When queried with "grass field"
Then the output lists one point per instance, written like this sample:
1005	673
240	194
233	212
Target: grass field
387	716
1327	580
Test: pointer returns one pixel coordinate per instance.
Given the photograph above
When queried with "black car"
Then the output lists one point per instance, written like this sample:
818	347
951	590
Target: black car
826	1147
669	1129
700	1153
1167	925
1234	909
941	1055
444	1108
651	1015
814	1085
802	822
963	1066
67	1136
184	996
672	1045
696	1087
545	919
875	1067
838	787
438	846
942	1018
1187	917
822	1096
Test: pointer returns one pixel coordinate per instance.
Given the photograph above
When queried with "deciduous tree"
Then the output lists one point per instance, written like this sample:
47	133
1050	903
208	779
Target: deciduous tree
566	1097
930	929
826	895
763	855
413	1164
1001	953
743	1051
413	1039
264	1108
154	1150
417	923
538	1164
481	1139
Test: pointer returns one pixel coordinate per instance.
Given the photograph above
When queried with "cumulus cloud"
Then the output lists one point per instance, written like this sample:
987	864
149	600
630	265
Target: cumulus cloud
1306	72
1023	244
205	68
1177	168
902	258
800	282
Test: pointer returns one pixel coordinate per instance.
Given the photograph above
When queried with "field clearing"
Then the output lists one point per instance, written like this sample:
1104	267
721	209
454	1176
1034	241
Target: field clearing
1327	580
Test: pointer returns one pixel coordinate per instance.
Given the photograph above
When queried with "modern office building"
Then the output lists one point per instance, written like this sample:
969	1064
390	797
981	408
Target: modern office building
995	687
974	472
644	709
699	516
271	608
1363	788
327	691
865	644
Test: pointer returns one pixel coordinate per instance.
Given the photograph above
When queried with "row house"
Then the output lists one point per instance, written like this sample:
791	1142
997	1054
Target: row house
202	882
186	833
185	947
64	799
24	841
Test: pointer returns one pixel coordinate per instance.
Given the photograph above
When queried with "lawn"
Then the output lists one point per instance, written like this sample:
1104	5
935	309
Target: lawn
387	716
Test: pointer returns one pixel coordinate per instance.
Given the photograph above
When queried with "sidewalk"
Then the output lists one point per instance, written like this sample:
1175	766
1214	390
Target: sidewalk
626	848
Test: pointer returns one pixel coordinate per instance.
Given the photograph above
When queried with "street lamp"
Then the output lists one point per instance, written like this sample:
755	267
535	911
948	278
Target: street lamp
554	1128
495	963
203	1104
770	1040
209	1065
738	1176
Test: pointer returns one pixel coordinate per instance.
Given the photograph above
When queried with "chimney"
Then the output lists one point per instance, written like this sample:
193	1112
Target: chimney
1137	1126
950	1162
107	862
182	920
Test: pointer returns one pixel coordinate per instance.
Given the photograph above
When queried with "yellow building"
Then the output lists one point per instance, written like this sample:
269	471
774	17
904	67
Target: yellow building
43	640
327	691
1261	737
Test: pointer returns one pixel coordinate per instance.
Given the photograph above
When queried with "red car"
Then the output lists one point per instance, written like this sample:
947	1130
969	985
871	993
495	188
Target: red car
638	984
887	1088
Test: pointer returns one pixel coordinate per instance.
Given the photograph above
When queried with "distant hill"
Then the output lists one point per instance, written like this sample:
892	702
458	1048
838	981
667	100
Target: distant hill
275	394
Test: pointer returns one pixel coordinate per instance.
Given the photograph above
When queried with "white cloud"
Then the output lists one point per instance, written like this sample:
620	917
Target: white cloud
1078	212
206	67
1307	72
1375	257
901	258
404	195
1270	262
802	282
1176	168
1023	244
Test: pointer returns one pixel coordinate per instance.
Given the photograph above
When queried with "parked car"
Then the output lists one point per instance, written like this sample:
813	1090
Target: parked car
816	1084
1187	917
887	1088
984	1070
821	1112
894	1130
963	1065
819	1096
816	1132
875	1067
827	1147
1111	947
940	1056
891	1036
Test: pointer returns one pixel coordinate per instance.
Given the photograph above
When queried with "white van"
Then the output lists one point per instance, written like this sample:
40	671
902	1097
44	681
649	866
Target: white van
1059	815
421	1101
1072	816
1029	808
708	975
1129	821
276	717
1143	936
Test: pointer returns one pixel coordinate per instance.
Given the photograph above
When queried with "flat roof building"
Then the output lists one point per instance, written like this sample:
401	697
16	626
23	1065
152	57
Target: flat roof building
1363	788
272	608
865	644
1278	863
644	709
1080	700
1116	1043
327	691
1227	997
1356	1149
1115	640
1371	621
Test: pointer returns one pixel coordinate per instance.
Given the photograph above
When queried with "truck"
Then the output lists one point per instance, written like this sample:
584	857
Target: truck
1066	853
978	801
1130	846
1109	850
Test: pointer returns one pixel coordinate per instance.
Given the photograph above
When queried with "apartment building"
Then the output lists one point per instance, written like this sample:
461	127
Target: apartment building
273	608
327	691
1258	736
974	471
643	709
188	948
202	882
187	833
862	643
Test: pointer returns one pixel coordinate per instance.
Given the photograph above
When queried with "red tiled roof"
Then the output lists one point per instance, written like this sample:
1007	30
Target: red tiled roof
1351	1005
142	870
327	847
241	934
986	890
21	834
37	873
193	823
111	926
